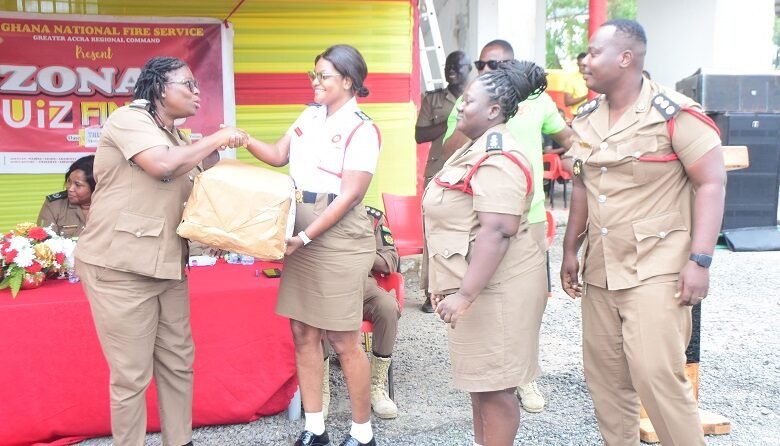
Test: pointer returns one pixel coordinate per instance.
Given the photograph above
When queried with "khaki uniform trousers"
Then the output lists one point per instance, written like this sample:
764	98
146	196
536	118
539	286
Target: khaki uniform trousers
381	308
144	327
634	343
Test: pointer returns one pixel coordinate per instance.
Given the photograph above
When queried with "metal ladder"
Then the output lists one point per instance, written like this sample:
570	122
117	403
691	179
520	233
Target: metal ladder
431	50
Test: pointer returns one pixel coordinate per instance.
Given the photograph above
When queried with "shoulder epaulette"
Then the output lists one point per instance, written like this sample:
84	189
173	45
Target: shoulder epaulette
667	107
495	141
57	196
588	107
313	104
141	104
374	212
362	115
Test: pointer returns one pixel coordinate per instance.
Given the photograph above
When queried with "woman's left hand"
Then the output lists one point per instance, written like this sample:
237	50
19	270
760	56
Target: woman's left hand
293	243
452	307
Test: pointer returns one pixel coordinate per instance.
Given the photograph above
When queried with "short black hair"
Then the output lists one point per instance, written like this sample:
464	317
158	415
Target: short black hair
581	56
503	44
151	81
85	165
512	83
348	61
630	28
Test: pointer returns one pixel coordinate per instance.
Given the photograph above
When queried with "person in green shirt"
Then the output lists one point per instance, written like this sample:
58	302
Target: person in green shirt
535	116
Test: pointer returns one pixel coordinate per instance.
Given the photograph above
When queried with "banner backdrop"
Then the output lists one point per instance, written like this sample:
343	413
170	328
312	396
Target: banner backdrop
60	78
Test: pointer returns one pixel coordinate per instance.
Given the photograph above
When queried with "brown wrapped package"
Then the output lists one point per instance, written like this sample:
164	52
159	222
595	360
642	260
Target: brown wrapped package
241	208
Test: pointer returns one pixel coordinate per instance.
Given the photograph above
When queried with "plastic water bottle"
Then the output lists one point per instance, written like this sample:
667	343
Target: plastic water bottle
72	276
294	409
233	258
247	260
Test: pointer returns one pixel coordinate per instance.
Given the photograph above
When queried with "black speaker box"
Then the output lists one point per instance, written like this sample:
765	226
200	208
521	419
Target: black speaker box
746	93
752	193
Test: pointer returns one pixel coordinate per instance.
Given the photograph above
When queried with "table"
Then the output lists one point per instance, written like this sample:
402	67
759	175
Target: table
54	379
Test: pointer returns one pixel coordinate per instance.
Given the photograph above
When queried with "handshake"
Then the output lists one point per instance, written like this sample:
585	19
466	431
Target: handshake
231	137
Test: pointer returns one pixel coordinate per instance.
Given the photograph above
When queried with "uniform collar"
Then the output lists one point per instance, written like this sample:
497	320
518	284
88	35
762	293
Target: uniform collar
347	110
600	119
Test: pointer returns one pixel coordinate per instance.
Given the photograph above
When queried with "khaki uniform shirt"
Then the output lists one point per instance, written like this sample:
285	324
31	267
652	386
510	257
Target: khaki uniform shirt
65	219
435	109
640	201
450	216
133	216
385	247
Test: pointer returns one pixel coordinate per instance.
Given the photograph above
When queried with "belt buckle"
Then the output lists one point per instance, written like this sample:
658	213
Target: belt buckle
298	196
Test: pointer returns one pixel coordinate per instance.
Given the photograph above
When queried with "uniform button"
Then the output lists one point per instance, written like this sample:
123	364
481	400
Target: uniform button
603	145
446	252
604	169
191	177
637	154
662	234
604	231
138	233
602	198
184	204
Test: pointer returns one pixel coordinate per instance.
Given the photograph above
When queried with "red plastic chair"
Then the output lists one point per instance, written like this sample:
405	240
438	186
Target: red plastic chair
404	217
552	169
551	227
390	282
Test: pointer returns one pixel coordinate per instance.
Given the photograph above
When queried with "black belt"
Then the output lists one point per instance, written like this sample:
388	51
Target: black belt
311	197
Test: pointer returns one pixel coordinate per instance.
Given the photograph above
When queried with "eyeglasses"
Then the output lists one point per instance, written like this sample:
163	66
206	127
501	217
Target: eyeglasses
492	64
320	75
192	84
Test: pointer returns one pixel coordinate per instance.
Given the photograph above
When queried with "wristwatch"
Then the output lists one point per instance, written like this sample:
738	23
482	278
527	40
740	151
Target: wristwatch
702	260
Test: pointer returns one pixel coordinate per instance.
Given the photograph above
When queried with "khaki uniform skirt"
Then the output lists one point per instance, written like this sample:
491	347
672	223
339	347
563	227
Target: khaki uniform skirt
495	344
322	282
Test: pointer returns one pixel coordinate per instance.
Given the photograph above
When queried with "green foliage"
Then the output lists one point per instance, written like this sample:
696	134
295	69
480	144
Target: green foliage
13	280
567	26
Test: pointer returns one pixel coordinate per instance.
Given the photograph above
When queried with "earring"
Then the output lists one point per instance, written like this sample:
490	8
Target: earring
163	95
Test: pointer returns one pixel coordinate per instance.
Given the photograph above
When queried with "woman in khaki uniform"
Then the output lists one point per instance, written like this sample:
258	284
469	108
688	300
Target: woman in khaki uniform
332	149
129	258
486	273
67	211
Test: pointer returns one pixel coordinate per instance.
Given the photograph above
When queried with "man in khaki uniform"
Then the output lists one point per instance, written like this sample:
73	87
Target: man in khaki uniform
381	308
647	205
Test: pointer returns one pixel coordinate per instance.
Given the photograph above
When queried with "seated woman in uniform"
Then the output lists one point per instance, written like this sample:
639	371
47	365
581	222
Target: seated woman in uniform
486	273
332	149
67	211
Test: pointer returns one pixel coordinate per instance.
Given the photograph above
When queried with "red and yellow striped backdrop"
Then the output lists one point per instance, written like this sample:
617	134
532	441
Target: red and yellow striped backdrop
275	44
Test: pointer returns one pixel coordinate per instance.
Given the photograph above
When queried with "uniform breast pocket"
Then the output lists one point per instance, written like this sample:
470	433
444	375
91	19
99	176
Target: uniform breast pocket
135	243
662	244
332	159
648	161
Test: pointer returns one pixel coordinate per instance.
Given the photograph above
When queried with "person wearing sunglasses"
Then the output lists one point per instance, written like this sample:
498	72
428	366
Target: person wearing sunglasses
432	124
129	257
332	150
535	117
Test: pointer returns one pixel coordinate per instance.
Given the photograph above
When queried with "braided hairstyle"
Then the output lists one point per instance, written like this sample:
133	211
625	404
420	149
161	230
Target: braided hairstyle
512	83
151	82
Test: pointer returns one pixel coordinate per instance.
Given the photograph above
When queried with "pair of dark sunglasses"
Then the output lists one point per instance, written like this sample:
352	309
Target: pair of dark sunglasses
492	64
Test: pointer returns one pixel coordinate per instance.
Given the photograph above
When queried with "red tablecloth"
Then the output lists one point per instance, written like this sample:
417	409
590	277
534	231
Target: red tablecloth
54	379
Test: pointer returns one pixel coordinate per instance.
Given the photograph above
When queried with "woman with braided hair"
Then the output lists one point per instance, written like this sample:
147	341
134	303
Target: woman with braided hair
129	257
486	273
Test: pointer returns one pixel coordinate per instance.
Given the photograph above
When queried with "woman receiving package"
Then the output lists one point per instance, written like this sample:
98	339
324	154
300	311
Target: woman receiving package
486	274
332	149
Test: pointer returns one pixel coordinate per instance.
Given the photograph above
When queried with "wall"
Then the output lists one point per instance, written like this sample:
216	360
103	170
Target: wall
724	36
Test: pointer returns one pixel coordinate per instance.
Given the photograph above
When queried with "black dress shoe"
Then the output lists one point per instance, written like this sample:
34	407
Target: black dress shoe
308	438
426	306
188	444
351	441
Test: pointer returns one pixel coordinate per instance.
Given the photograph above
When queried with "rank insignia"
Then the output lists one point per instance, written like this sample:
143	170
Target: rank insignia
576	169
495	141
387	237
362	115
58	196
336	138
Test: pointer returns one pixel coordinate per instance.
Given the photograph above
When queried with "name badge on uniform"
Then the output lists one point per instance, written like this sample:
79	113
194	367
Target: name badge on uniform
576	169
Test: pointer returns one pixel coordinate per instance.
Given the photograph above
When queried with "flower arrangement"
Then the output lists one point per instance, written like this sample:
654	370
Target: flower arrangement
29	252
